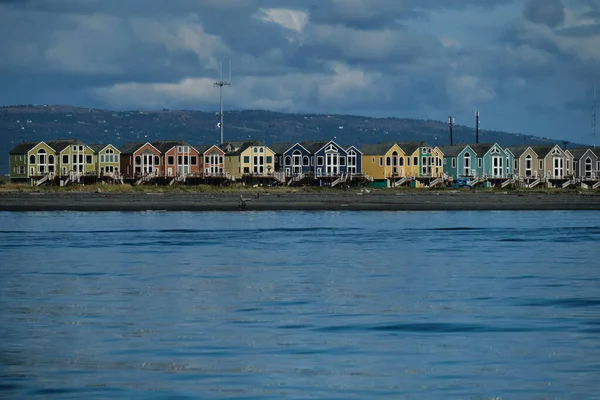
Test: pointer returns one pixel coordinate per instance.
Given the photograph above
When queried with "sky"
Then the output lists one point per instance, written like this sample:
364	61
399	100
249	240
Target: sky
527	66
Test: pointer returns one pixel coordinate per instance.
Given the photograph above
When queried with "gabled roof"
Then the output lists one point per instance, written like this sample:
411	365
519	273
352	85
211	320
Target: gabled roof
23	147
411	147
99	147
543	150
132	147
316	145
203	148
518	150
454	150
350	147
481	148
377	149
578	152
280	148
165	145
239	146
60	144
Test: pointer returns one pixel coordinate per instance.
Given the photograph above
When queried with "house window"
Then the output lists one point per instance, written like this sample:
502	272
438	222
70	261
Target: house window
381	161
388	161
342	160
186	160
416	161
194	160
220	159
453	162
170	160
408	161
88	159
247	159
261	150
373	160
568	164
480	162
179	160
74	148
320	160
255	150
74	158
116	158
445	161
541	164
306	161
269	159
51	159
179	149
80	148
516	164
102	158
206	160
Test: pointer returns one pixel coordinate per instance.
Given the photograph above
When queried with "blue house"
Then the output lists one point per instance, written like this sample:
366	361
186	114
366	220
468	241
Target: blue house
329	159
354	161
292	158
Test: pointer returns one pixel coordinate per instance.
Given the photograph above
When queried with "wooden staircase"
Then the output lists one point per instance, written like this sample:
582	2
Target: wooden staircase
43	179
507	182
402	181
435	182
568	183
296	178
147	177
534	183
596	185
342	178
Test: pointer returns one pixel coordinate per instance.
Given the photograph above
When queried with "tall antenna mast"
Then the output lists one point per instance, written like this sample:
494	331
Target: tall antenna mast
220	84
451	124
594	116
477	127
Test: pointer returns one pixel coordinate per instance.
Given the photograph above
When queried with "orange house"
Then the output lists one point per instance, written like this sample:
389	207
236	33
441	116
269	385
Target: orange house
139	159
178	158
212	160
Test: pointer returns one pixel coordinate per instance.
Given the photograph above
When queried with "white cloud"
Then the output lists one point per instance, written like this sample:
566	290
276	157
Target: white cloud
294	20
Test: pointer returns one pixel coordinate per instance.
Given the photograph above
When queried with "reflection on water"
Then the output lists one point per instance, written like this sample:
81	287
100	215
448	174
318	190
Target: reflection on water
300	305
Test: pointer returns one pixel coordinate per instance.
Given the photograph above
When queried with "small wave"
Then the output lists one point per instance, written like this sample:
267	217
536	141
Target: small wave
568	303
433	327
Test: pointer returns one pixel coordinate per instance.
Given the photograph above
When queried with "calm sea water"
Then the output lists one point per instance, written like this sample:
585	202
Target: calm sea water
426	305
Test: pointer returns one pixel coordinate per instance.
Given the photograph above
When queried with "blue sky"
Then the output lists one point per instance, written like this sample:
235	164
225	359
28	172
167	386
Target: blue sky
527	65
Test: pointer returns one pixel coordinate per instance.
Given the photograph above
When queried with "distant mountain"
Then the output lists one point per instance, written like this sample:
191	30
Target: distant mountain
32	122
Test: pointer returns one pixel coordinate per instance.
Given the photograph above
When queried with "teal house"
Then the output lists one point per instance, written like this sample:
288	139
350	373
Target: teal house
459	160
492	161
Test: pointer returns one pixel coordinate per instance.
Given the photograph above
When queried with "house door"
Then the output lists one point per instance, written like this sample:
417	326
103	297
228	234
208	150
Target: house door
170	171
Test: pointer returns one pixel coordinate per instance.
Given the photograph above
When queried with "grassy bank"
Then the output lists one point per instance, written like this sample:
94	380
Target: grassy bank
26	188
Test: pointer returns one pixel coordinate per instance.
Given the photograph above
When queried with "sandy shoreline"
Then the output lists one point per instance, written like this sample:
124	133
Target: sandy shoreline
338	201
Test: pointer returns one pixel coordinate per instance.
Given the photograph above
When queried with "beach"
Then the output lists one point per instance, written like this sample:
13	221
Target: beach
351	200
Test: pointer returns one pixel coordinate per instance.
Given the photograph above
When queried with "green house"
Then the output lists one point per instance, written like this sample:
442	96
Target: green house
106	158
29	160
73	156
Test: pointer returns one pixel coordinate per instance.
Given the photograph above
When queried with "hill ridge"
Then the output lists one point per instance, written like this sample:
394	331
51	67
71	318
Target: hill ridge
20	123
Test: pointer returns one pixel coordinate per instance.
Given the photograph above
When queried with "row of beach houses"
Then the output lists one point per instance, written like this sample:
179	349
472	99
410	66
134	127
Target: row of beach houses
323	163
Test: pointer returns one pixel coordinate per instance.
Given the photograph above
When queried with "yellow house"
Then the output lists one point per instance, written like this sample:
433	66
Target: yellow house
41	160
248	158
423	162
384	161
106	159
73	156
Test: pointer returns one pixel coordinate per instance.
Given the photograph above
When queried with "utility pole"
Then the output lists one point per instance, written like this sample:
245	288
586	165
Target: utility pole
477	127
594	116
220	85
451	124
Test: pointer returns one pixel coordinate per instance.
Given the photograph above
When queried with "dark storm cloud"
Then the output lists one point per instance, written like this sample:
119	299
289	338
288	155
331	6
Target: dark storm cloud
547	12
413	58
